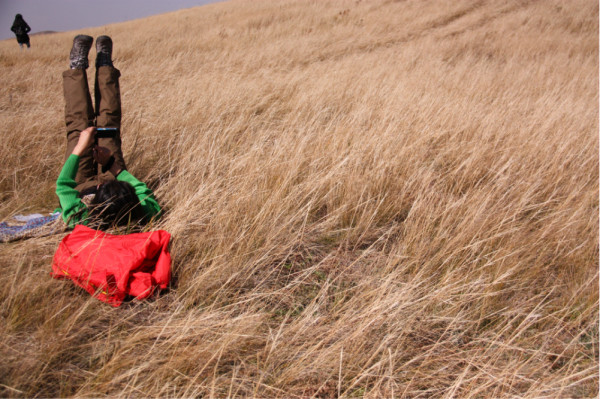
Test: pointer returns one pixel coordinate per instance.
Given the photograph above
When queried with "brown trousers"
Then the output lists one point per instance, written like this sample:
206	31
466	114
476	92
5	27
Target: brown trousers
80	114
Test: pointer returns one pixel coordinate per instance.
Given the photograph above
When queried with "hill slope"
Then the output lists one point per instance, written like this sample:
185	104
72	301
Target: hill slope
367	198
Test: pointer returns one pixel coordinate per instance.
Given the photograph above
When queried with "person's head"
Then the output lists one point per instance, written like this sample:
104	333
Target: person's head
18	16
115	204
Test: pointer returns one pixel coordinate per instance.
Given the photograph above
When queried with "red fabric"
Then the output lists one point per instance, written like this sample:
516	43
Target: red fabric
112	266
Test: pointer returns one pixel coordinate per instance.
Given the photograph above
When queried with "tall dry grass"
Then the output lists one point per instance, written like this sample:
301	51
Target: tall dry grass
367	198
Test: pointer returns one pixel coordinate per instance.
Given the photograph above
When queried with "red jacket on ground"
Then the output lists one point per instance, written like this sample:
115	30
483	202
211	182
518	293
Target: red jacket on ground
112	266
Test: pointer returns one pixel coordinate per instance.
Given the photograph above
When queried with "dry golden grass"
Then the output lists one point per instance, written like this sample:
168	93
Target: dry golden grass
367	198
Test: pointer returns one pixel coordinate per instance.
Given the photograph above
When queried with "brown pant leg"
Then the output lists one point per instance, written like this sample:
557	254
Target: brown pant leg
107	94
79	115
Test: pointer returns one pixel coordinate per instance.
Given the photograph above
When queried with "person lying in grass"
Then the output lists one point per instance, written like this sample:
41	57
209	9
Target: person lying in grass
112	197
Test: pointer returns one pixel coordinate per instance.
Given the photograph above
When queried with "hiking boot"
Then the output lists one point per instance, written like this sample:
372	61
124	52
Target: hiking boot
103	51
79	52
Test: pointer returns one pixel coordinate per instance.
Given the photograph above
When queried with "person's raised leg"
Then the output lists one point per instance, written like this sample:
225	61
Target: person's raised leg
107	94
79	112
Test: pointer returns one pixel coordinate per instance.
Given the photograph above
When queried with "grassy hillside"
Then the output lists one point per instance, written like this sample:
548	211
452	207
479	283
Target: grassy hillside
367	198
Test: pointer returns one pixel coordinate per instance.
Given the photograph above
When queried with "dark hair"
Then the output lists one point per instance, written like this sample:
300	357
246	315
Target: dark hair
115	204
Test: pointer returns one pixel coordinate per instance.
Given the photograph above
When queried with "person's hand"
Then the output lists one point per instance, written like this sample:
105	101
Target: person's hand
85	139
101	155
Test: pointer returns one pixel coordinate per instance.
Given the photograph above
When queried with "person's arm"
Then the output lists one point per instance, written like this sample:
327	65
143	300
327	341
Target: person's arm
144	194
27	28
73	210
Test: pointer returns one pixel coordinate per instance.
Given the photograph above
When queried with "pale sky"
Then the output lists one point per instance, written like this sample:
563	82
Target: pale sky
65	15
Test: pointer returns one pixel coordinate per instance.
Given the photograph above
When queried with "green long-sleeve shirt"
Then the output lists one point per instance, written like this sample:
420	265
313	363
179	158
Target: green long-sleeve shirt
75	212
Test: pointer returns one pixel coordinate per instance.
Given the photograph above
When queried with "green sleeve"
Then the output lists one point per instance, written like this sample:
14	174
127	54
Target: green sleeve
73	210
144	194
